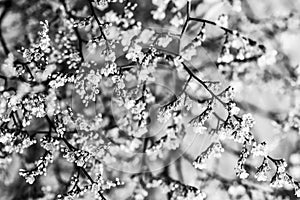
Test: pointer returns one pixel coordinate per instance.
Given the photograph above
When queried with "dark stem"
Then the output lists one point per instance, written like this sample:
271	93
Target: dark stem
97	20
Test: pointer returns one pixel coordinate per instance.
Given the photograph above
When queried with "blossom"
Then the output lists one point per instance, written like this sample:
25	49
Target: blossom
164	41
228	94
242	173
279	180
44	43
215	150
240	168
233	109
260	176
146	35
259	149
135	53
297	188
158	14
247	120
200	119
40	168
165	112
177	20
222	21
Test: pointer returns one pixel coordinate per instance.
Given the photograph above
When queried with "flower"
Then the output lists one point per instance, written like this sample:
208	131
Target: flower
279	180
164	41
145	36
177	20
44	43
260	175
247	120
200	119
222	21
259	149
297	188
215	150
242	173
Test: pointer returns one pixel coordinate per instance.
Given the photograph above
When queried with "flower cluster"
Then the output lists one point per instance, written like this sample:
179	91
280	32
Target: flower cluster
34	106
238	130
261	175
39	169
15	141
79	157
170	141
198	121
175	189
87	83
38	53
280	178
259	149
165	112
240	168
215	150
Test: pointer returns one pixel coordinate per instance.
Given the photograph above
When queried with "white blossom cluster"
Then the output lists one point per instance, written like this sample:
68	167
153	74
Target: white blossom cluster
214	150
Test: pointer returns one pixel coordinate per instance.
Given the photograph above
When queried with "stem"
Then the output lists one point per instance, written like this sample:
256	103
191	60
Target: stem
80	40
202	83
227	30
97	20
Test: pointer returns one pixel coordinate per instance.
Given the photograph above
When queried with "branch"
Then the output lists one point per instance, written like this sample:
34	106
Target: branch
97	20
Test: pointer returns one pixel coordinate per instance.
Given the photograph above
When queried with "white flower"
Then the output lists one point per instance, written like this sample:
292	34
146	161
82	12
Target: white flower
222	21
30	179
277	182
129	104
127	37
164	41
189	53
158	14
281	165
247	120
102	4
44	43
297	192
243	174
146	35
179	3
199	120
135	53
259	149
297	189
199	165
135	143
177	20
261	176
